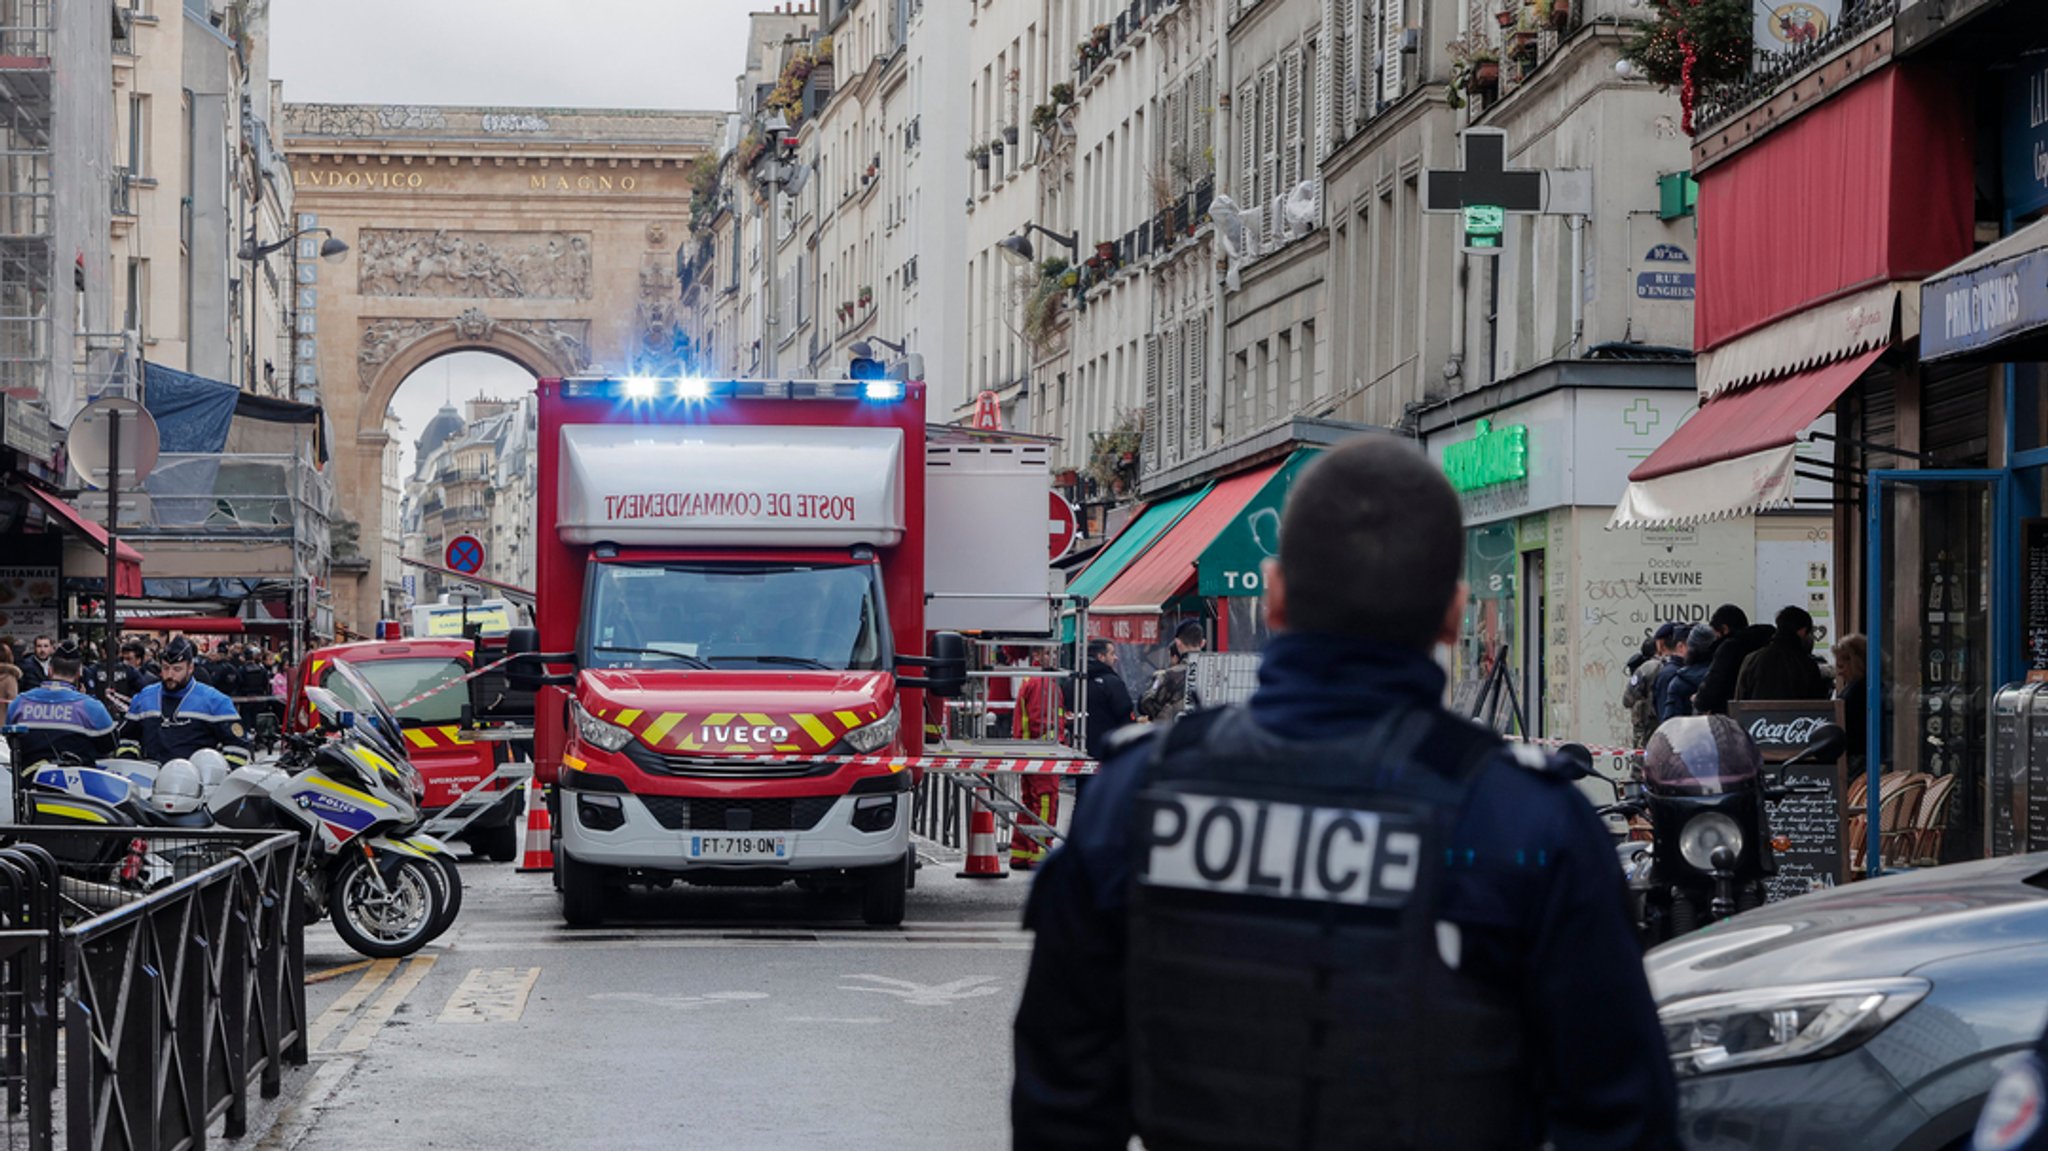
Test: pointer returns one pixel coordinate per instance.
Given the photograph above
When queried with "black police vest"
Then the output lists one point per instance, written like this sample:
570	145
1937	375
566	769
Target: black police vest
1284	982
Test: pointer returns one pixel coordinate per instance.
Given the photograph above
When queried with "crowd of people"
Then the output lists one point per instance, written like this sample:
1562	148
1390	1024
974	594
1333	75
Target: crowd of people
249	671
1702	668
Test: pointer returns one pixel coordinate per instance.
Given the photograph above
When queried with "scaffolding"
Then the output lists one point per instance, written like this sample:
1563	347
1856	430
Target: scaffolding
28	240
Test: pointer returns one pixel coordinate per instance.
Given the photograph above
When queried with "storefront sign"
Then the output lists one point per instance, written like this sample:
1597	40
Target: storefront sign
1975	309
1490	457
29	604
1817	857
25	427
2025	132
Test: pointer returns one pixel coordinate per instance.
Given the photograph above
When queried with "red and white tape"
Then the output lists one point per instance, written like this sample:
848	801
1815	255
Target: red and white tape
441	687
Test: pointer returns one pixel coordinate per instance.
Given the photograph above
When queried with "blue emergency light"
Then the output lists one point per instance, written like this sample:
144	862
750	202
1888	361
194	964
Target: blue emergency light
696	389
885	391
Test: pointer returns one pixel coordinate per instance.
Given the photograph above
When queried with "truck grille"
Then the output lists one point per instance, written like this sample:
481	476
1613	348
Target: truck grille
681	813
700	767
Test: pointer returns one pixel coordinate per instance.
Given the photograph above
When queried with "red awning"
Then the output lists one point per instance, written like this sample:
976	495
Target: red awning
1870	186
201	624
1167	569
128	573
1739	453
1769	415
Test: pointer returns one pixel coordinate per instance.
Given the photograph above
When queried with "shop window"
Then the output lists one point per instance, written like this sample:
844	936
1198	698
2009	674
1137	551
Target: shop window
2030	406
1936	672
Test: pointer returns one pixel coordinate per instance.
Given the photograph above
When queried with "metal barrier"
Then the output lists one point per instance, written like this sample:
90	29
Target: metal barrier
937	809
172	1001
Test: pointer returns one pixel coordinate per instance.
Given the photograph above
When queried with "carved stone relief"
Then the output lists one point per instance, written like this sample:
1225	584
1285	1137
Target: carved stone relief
382	340
474	265
659	344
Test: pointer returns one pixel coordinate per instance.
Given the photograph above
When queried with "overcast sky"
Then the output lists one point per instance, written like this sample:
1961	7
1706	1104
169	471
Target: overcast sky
673	54
676	54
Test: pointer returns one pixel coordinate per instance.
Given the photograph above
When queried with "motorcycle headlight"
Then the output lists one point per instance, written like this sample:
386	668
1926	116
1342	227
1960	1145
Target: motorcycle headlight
597	732
1781	1024
1705	832
877	735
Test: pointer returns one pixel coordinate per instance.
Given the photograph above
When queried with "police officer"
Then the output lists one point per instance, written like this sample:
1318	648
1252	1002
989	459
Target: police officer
1338	916
63	723
177	715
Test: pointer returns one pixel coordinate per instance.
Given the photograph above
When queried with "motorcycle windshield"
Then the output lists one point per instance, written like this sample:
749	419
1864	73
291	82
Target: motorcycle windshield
1700	755
373	712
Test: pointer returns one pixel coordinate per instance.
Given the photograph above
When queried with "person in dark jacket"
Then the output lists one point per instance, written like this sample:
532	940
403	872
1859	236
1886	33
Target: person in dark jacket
1685	679
1639	696
36	668
1735	639
1852	661
1105	704
1784	668
1514	911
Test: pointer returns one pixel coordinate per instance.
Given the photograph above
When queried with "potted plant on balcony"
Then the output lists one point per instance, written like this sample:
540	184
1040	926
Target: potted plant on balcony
1560	15
867	297
979	154
1062	94
1688	43
995	145
1009	133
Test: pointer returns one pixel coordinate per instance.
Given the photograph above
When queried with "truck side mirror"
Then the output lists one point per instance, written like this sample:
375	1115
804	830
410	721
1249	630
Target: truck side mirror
945	668
523	674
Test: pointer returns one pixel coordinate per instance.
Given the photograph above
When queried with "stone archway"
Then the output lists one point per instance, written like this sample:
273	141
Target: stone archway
546	236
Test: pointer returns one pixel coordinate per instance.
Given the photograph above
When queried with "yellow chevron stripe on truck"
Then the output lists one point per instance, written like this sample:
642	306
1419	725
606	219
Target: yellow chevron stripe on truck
662	725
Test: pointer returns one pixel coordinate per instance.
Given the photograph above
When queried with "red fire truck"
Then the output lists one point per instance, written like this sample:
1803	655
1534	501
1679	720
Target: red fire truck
733	581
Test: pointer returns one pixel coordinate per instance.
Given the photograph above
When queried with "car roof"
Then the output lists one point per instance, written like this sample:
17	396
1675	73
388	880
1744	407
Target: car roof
370	651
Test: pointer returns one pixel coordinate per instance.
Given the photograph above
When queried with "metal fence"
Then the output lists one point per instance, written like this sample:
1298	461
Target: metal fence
146	983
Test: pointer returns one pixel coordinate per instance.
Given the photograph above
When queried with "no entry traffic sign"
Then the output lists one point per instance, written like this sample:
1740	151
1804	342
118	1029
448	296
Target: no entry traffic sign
466	554
1061	526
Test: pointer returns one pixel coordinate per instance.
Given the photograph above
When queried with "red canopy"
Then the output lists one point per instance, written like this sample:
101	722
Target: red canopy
128	572
201	624
1767	415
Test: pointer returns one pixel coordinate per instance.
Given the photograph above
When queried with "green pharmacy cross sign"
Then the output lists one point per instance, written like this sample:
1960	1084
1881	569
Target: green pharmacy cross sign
1490	457
1483	225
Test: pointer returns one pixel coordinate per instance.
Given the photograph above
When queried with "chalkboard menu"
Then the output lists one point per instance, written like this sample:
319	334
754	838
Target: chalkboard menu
1818	855
2034	596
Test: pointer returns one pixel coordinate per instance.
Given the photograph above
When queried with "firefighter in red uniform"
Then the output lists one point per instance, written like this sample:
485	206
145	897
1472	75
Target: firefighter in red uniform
1038	716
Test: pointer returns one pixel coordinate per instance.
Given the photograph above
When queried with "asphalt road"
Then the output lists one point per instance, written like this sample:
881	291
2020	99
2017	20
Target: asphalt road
701	1018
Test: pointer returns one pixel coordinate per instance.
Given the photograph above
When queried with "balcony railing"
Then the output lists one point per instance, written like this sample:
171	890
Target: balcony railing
1772	70
124	189
239	495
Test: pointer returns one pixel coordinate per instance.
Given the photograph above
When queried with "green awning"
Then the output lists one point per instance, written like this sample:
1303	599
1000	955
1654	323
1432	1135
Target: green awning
1128	545
1230	564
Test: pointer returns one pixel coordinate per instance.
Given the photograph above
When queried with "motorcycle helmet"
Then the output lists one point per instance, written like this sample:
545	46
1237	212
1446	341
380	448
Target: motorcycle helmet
177	790
212	767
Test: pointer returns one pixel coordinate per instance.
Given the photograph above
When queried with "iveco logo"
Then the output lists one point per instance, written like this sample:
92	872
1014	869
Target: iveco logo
710	734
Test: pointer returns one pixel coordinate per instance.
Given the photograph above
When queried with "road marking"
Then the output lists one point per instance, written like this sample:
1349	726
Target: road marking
929	995
491	995
682	1002
358	1039
296	1121
835	1019
336	972
339	1011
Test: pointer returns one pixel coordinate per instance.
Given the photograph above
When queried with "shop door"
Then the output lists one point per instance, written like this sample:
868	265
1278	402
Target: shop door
1535	633
1934	549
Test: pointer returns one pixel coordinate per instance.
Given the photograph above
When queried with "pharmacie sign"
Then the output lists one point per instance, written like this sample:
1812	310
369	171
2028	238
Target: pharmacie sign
1491	457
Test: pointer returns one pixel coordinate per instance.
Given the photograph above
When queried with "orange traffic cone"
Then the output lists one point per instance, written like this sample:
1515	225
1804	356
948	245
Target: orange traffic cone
983	860
540	850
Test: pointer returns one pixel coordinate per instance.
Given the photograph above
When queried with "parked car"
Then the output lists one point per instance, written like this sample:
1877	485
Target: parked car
1873	1016
449	762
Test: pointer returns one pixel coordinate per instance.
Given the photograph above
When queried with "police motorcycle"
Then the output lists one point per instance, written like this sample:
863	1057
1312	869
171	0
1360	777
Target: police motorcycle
353	798
156	801
1702	785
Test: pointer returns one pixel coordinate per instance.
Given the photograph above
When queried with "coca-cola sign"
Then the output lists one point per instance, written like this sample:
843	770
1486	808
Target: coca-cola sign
1797	731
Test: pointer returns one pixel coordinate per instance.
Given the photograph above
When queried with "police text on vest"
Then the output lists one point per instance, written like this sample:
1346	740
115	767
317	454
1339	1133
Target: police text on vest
1284	850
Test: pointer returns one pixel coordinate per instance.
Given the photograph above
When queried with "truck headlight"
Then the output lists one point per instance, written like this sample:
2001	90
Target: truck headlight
1737	1029
597	732
877	735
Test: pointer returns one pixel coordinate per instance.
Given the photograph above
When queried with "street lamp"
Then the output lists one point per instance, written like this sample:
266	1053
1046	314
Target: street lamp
864	349
1018	247
332	250
773	175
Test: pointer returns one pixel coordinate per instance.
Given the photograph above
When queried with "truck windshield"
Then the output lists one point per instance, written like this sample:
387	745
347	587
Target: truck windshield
398	680
691	615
